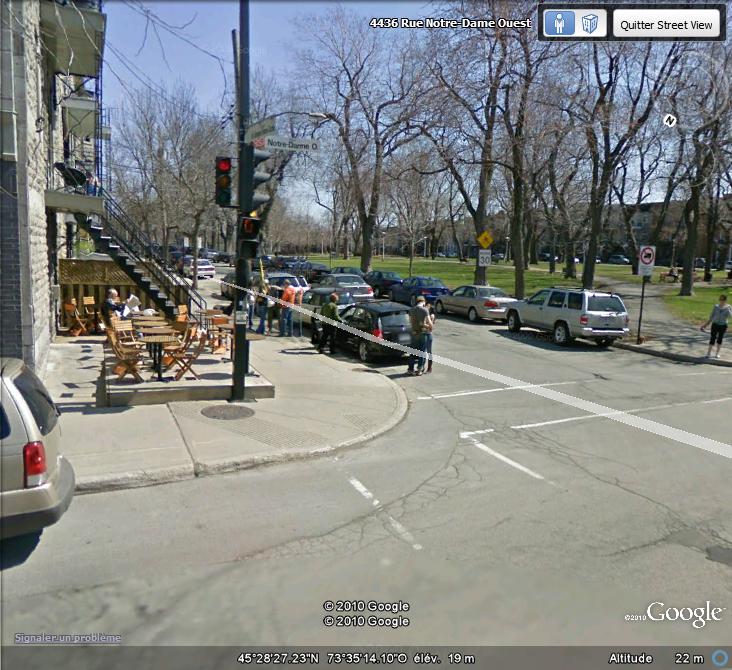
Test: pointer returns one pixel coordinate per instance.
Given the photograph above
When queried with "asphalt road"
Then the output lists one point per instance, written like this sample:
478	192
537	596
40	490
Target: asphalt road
547	505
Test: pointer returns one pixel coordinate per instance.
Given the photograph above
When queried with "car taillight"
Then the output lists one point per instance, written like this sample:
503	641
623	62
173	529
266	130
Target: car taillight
377	332
490	303
425	291
584	320
369	290
627	319
34	464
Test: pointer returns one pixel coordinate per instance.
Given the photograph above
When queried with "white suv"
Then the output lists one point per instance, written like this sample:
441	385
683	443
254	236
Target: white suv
568	313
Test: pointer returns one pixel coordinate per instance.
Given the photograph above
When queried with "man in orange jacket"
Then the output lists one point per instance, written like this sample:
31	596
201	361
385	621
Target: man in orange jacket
288	300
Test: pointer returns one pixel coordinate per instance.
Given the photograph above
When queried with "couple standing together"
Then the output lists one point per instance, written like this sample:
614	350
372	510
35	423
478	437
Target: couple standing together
422	321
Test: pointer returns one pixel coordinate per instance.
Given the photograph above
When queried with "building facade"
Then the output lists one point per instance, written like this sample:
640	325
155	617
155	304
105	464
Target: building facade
52	137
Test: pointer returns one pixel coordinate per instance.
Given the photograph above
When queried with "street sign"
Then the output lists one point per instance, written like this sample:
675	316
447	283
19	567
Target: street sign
484	258
260	129
284	143
647	261
485	239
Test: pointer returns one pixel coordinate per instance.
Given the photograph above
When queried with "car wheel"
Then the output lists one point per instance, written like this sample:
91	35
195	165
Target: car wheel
561	334
513	322
440	308
472	315
413	300
604	342
363	352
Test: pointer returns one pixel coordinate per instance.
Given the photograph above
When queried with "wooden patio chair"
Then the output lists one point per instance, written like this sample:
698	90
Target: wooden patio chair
127	359
218	341
125	332
182	313
189	333
185	359
77	324
90	311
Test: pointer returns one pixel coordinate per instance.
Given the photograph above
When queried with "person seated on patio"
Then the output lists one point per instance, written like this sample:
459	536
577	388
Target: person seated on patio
111	305
133	305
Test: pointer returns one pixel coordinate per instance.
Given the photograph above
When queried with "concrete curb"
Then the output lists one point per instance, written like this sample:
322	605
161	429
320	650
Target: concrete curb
639	348
133	480
235	465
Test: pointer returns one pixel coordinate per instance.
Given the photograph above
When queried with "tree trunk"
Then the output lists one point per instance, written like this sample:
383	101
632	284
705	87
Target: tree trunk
411	256
570	269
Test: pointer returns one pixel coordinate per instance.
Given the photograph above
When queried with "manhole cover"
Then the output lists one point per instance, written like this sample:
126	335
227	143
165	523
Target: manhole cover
227	412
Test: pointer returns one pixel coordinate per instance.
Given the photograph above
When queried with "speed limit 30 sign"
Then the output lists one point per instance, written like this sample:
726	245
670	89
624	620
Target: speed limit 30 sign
646	261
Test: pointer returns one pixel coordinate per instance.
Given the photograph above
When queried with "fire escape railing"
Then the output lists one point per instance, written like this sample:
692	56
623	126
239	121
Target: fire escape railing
138	246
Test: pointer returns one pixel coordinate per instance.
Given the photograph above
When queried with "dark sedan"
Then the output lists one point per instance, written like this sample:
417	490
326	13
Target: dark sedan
408	291
382	281
383	319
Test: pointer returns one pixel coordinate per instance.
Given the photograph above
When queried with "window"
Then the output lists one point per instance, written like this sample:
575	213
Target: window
38	400
574	300
490	292
4	424
557	299
432	282
309	298
604	303
344	298
389	275
470	292
538	298
460	291
395	319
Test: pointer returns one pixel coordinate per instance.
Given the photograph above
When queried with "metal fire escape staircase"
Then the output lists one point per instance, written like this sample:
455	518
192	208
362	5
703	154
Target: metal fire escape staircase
116	234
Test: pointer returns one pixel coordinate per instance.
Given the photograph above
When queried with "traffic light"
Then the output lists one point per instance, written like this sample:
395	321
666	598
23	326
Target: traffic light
223	181
249	229
258	156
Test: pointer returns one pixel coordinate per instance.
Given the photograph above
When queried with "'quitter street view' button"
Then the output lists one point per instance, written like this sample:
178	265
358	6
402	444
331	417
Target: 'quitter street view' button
667	23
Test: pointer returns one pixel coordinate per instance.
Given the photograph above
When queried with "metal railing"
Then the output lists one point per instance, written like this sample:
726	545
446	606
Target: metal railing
140	248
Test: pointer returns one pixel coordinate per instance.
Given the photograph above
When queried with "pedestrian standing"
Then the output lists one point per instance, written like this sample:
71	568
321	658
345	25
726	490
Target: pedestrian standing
251	303
288	300
418	316
719	317
328	336
429	335
273	307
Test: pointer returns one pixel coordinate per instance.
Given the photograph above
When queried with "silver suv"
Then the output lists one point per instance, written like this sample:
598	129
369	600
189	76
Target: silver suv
568	313
37	481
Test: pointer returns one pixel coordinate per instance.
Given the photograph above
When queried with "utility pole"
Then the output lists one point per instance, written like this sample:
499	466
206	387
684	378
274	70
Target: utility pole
246	167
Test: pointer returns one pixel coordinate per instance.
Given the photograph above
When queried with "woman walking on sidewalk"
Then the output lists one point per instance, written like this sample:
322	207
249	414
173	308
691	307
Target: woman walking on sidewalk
718	319
429	326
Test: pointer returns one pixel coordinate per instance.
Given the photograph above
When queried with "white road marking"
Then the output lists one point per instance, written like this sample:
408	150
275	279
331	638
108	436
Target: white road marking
470	433
403	533
617	412
457	394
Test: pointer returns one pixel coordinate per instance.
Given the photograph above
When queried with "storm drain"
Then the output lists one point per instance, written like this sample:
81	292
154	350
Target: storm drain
227	412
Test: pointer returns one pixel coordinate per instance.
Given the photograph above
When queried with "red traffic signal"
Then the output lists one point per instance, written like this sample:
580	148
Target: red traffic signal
249	229
223	181
223	164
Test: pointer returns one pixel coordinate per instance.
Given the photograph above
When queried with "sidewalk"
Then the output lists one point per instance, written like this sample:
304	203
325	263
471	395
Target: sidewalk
665	335
321	404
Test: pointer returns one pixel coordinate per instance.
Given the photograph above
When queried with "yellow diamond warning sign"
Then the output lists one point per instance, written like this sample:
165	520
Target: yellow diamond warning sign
485	239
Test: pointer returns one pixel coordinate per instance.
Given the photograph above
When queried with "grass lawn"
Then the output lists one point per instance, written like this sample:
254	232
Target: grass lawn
696	308
453	273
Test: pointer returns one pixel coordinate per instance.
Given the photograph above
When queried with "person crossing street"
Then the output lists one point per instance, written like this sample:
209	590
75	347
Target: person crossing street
288	300
419	319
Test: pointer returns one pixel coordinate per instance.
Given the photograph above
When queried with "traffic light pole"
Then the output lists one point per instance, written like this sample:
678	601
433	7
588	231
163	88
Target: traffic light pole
244	249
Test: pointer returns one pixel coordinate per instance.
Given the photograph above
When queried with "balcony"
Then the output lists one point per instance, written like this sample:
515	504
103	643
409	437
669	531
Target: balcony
80	113
67	190
74	35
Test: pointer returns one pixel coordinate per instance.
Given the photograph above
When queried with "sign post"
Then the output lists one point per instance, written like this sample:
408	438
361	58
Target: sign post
646	263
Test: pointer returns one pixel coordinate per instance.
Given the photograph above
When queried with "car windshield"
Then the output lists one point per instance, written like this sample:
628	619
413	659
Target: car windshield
390	275
490	292
394	319
345	299
349	279
431	282
605	303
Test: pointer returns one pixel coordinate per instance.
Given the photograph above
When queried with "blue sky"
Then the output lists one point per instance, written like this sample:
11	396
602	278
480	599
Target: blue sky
273	41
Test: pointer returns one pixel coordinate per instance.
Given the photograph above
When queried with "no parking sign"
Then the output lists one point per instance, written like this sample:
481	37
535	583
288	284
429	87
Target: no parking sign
646	261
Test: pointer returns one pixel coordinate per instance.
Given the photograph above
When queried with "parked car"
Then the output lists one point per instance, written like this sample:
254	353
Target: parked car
498	257
700	262
618	259
314	272
382	281
383	319
226	290
728	265
570	313
226	257
37	481
210	254
350	270
278	279
316	298
351	283
430	287
546	256
475	302
204	268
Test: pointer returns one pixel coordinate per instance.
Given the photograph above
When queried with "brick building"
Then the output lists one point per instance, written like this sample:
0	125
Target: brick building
52	136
